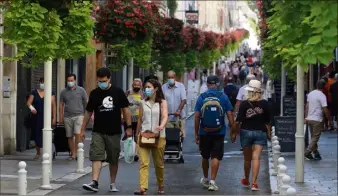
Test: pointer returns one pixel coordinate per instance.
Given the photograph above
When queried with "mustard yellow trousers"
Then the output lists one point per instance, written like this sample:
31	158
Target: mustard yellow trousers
158	159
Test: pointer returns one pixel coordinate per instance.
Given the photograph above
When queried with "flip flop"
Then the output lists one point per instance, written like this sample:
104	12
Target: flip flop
71	158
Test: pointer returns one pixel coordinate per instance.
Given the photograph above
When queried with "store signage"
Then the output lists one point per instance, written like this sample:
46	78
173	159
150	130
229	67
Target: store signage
191	16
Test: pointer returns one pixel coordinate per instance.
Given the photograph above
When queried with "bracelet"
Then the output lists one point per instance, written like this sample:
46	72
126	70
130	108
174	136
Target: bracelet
31	108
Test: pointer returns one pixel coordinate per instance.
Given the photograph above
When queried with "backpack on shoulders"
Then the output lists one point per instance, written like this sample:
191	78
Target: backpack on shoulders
212	114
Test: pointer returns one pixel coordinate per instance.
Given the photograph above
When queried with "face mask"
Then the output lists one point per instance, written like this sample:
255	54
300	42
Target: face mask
102	85
136	89
171	81
70	84
42	86
148	92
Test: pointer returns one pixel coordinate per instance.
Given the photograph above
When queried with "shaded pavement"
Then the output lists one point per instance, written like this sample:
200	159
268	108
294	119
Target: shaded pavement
180	179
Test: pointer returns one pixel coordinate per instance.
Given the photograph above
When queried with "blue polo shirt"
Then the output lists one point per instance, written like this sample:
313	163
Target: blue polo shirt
225	103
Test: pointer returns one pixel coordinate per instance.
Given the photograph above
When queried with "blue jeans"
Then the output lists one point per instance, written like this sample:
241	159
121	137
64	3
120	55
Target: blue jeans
251	137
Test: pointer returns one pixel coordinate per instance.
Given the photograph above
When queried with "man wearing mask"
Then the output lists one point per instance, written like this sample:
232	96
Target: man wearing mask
73	100
176	97
107	102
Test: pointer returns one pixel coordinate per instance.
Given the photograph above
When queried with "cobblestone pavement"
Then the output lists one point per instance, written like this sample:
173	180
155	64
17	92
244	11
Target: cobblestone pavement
180	179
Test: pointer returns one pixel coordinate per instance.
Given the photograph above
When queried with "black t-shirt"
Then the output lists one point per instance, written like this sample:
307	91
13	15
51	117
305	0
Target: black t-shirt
254	117
107	105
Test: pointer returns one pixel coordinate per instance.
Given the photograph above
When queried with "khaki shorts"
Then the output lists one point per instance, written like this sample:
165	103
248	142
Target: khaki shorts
73	125
103	144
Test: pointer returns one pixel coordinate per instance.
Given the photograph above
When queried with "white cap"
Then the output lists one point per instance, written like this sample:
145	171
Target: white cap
254	86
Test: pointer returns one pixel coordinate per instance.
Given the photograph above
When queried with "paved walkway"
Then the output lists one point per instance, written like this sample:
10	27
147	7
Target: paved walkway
320	176
62	169
180	179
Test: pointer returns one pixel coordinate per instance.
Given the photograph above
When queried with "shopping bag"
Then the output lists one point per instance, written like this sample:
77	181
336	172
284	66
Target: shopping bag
129	150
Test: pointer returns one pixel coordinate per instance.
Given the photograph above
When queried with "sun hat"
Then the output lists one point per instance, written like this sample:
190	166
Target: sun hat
254	86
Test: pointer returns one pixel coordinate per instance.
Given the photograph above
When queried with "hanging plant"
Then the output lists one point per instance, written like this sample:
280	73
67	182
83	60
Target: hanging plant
191	59
141	51
174	60
205	58
172	6
120	20
194	38
77	30
117	56
169	37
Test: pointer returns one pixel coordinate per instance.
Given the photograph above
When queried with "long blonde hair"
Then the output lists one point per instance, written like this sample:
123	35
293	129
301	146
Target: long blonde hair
254	96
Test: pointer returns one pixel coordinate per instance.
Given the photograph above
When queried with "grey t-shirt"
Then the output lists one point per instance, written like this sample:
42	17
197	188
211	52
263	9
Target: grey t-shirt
74	101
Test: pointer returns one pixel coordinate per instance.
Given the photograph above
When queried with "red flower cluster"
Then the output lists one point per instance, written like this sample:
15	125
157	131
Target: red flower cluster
121	19
262	19
211	40
194	38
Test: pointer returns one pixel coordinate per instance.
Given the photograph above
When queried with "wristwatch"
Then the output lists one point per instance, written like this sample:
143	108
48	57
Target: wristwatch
129	127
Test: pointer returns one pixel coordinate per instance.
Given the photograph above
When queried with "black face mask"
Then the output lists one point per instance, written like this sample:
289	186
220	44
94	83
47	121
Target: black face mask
136	90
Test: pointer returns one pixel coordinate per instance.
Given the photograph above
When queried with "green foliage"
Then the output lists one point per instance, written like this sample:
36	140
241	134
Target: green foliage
33	29
205	58
172	6
191	60
174	60
141	51
77	30
303	32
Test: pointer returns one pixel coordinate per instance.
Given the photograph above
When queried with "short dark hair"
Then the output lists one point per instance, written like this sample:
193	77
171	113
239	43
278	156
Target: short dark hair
41	79
159	94
71	75
321	84
152	76
103	72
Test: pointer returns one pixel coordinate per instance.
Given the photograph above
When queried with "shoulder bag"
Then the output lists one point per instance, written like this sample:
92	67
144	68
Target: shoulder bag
149	139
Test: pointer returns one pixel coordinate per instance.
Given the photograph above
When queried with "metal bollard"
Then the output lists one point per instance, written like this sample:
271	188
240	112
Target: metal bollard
286	180
80	158
45	172
291	191
275	157
22	178
282	172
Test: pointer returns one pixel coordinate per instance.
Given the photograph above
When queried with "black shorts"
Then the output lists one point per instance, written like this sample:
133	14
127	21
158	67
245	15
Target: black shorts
212	146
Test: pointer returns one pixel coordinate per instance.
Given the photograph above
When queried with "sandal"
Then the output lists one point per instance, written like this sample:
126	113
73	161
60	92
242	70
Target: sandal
160	190
71	158
140	191
37	157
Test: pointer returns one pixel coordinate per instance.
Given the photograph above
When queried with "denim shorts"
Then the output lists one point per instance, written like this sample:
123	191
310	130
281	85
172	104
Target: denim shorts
251	137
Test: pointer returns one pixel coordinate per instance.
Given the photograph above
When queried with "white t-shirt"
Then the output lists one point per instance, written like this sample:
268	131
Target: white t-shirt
316	100
241	93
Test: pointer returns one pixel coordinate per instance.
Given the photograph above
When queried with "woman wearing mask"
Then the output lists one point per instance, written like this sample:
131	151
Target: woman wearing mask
153	117
254	119
135	97
36	104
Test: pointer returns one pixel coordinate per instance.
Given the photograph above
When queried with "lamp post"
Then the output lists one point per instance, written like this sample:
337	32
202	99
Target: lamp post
47	114
300	143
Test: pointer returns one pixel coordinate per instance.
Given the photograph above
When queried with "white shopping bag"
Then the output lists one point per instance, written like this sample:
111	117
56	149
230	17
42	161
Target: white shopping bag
129	150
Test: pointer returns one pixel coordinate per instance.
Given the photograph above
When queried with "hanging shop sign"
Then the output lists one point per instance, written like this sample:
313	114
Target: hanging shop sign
191	16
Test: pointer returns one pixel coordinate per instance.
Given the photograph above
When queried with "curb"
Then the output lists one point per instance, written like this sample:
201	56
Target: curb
67	178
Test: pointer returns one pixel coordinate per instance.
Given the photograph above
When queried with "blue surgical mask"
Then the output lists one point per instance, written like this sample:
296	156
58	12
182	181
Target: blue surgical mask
42	86
102	85
148	92
70	84
171	81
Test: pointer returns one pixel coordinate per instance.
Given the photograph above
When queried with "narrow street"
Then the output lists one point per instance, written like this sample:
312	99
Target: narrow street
180	179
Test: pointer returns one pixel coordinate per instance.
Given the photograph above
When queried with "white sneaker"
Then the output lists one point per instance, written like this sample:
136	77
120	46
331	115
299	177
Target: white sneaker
205	182
112	188
213	186
121	155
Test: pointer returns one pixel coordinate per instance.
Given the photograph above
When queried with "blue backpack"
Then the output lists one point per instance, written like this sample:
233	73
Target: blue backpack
212	114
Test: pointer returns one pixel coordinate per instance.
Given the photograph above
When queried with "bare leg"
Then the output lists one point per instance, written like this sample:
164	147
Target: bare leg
71	146
256	156
205	167
113	172
96	165
38	151
247	151
214	168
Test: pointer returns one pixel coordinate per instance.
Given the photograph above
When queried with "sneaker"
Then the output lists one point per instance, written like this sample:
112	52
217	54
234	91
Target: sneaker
112	188
121	155
245	182
309	156
254	187
205	182
213	186
93	186
317	156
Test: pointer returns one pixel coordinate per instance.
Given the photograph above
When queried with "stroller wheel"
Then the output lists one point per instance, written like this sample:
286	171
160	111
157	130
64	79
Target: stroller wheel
181	160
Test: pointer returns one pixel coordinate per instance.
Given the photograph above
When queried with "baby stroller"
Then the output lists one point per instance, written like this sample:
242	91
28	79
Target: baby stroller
174	141
60	140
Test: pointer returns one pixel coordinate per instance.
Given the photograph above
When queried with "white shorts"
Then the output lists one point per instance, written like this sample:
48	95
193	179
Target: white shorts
73	125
